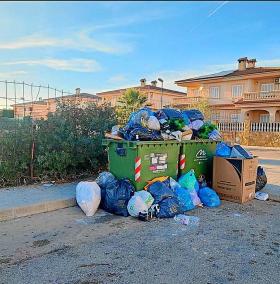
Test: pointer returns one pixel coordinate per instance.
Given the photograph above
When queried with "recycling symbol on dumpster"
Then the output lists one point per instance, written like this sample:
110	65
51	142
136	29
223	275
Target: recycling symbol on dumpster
200	156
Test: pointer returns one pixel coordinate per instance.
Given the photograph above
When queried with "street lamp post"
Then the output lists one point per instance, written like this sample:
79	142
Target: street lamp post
161	91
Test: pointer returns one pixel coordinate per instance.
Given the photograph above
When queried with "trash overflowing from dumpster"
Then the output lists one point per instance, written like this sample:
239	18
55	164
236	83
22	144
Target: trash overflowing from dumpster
163	197
165	124
166	163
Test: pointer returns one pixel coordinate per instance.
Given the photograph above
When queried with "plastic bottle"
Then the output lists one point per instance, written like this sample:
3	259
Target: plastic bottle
187	220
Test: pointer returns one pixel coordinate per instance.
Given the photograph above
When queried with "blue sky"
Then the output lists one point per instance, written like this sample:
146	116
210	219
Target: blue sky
105	45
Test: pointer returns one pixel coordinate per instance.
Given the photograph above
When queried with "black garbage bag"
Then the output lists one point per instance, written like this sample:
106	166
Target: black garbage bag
163	120
105	180
159	191
193	114
261	180
115	193
161	115
142	133
168	208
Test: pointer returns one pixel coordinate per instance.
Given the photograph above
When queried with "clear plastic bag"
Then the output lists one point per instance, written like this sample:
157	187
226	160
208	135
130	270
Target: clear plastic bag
187	220
141	201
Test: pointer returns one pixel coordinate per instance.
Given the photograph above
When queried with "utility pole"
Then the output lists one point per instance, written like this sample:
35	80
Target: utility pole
161	91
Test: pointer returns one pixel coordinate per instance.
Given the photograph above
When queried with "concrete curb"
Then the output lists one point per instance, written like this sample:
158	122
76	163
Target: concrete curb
23	211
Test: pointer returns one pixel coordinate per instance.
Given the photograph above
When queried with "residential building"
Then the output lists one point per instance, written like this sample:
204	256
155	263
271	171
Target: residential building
249	92
41	108
157	97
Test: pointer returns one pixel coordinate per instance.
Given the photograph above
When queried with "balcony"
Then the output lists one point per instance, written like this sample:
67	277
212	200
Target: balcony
261	96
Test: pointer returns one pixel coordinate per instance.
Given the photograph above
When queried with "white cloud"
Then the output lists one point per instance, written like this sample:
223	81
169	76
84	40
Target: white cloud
11	74
92	38
269	62
79	41
76	64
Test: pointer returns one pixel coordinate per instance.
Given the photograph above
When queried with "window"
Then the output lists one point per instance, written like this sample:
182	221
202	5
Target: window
267	87
195	92
264	118
215	116
214	92
236	91
235	117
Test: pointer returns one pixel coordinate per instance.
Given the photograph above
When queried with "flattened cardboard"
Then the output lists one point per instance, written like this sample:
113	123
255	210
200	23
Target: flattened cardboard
234	179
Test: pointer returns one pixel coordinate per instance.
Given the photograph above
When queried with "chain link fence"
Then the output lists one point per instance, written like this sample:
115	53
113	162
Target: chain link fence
49	134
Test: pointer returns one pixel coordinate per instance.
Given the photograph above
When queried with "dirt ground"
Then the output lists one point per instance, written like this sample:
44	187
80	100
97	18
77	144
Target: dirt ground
232	244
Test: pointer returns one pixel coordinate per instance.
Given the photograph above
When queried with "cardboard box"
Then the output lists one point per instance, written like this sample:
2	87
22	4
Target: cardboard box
234	179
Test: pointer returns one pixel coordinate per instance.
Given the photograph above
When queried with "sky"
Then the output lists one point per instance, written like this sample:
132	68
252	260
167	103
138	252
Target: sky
101	46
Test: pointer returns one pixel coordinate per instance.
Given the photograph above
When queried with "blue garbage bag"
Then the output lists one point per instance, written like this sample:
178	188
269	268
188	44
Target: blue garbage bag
209	197
172	113
168	208
186	118
193	114
184	199
223	150
182	194
116	197
160	191
137	117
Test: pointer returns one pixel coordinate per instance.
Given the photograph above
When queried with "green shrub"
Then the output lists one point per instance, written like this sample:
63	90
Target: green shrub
67	143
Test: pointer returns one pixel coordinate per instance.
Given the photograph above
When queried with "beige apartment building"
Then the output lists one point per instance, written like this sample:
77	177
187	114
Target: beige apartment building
157	97
249	92
41	108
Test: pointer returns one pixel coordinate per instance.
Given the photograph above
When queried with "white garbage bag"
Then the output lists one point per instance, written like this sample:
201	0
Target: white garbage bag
153	123
88	196
146	197
139	202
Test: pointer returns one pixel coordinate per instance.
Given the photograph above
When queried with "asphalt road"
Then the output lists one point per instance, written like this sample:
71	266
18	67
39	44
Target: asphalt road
232	244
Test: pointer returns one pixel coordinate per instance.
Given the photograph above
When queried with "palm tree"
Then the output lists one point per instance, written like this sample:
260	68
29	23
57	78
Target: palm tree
130	101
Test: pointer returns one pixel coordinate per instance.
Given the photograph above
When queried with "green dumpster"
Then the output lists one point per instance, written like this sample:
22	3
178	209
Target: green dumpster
197	155
141	161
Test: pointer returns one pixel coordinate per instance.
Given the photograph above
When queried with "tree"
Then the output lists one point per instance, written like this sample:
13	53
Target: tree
130	101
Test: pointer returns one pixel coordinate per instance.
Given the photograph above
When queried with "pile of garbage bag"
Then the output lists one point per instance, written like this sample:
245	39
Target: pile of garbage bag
225	150
163	197
171	198
166	124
